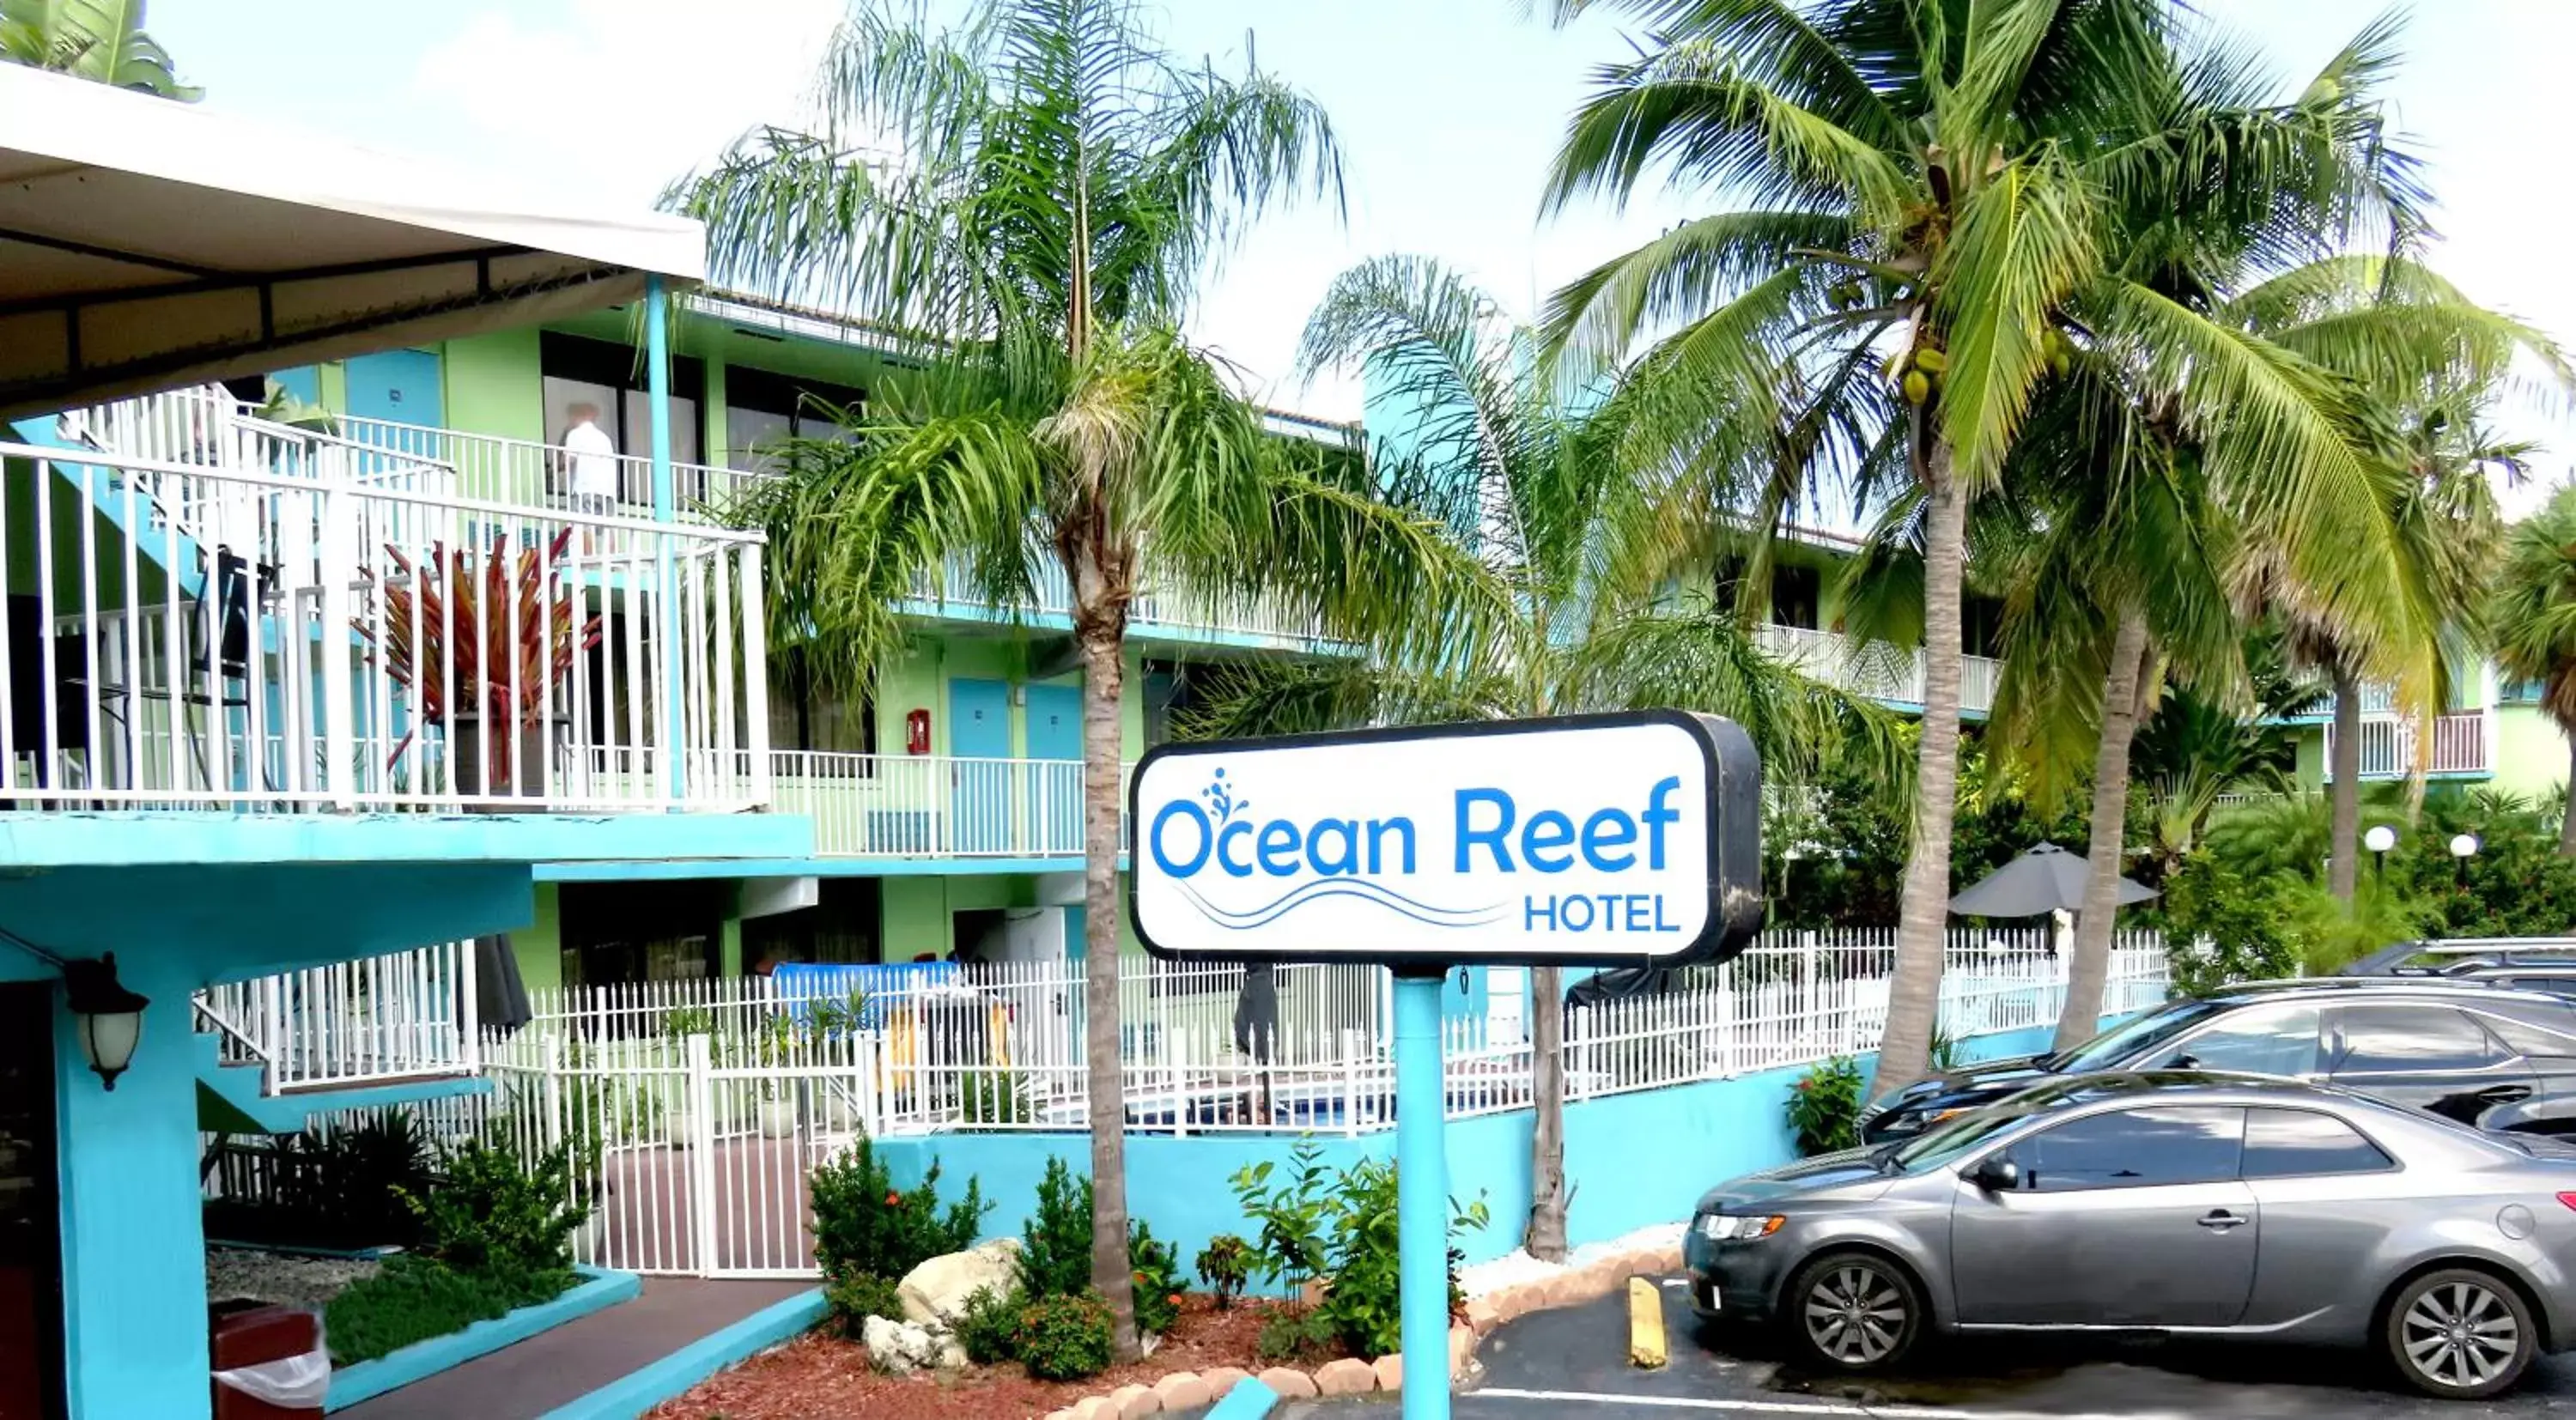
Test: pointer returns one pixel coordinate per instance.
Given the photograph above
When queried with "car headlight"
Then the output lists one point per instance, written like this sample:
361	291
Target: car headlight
1727	1227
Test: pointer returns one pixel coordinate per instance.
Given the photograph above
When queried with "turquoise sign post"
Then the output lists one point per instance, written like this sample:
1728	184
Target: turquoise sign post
1629	839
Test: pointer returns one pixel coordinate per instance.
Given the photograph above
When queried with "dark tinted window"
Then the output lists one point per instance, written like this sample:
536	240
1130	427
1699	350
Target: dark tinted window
2393	1038
2262	1040
2134	1148
2282	1143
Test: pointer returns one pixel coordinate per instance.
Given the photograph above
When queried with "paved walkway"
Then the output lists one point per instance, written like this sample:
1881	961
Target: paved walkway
560	1366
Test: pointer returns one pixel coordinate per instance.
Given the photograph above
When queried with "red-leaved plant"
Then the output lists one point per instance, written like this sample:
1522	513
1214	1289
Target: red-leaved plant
496	601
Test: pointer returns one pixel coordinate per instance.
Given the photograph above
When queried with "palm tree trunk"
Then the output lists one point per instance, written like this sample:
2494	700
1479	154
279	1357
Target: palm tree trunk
2081	1018
1923	911
1101	634
1545	1237
2567	821
2343	795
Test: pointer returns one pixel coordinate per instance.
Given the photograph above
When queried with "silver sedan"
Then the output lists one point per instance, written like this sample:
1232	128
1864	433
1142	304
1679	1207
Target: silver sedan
2164	1202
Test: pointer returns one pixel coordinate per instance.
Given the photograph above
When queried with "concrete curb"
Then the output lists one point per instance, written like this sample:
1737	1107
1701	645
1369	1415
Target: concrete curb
423	1359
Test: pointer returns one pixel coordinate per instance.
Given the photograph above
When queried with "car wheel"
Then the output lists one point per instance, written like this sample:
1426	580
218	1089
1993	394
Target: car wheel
2460	1334
1852	1311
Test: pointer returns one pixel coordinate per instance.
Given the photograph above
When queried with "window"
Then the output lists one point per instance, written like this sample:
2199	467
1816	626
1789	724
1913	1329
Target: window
610	378
2410	1039
2266	1040
2519	692
804	718
2134	1148
2537	1030
2289	1143
762	408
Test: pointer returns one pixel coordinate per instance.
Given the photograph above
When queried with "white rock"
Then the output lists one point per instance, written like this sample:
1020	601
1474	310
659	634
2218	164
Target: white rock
897	1347
1517	1266
952	1357
935	1293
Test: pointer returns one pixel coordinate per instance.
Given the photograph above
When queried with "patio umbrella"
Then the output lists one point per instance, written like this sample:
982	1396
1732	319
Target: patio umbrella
2045	879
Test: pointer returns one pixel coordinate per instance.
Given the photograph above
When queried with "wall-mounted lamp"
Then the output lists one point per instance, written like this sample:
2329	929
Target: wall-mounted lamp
108	1017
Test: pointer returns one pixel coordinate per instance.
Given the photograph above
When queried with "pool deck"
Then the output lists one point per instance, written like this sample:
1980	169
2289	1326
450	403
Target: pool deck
560	1366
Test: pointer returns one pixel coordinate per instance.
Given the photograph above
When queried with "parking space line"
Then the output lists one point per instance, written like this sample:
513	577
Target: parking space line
1813	1407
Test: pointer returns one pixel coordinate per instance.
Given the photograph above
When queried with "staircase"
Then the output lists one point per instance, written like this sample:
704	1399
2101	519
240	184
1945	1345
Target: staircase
380	1030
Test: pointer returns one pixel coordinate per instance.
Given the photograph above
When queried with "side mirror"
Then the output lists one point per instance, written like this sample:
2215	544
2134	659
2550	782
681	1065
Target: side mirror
1996	1174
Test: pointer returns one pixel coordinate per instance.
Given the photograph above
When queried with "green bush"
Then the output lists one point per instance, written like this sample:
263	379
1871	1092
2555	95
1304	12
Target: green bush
1342	1228
2220	928
864	1224
416	1298
993	1097
1226	1264
491	1214
1055	1242
1294	1334
989	1327
1824	1107
1064	1338
853	1297
1155	1268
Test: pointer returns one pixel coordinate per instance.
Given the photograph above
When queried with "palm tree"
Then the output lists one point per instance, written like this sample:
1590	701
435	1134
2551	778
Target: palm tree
90	39
2532	618
2426	365
2198	747
1596	618
1944	190
1032	199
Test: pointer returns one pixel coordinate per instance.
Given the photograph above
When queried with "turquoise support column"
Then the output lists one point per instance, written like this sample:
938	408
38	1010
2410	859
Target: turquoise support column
657	384
133	1227
1422	1198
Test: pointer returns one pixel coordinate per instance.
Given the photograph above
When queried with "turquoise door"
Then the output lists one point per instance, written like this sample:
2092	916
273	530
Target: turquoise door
400	389
979	736
1055	788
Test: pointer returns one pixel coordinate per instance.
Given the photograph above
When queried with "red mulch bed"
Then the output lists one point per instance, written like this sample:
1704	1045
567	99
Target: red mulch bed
819	1375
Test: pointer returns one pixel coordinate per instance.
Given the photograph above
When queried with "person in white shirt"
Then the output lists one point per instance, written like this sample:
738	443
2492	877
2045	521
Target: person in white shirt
594	461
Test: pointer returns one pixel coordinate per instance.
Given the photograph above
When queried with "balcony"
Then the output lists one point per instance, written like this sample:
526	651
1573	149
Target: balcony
934	806
257	619
2462	743
1876	669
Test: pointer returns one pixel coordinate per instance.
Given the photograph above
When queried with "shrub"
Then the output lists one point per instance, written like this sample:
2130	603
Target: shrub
1292	1334
989	1327
1064	1338
491	1214
1055	1245
1341	1227
1155	1268
1226	1264
2221	928
1824	1107
864	1224
416	1298
853	1297
992	1097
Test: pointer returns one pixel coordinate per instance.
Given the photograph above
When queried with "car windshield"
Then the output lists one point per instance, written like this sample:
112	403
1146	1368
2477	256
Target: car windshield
2120	1043
1964	1134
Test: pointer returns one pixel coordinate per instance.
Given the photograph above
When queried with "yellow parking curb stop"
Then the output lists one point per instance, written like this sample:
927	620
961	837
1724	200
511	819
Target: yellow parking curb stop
1645	1324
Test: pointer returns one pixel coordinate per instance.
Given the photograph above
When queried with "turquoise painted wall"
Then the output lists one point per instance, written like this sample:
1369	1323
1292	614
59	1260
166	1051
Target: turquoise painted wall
1632	1160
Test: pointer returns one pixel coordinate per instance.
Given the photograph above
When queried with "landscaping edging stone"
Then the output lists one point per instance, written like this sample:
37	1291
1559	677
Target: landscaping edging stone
1594	1280
422	1359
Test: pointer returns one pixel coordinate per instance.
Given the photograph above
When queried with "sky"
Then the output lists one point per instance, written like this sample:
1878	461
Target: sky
1448	112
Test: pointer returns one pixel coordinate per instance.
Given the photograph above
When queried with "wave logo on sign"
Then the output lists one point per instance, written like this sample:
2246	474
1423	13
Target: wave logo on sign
1337	858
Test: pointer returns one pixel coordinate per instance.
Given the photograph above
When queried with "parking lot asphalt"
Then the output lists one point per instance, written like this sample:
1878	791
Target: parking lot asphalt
1572	1365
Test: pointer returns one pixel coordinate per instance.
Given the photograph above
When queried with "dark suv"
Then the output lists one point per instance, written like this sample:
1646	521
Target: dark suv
2485	1055
2536	964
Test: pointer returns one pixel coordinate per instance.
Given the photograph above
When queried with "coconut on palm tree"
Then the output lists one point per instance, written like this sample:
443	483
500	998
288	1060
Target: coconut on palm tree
1030	200
1935	209
2531	617
1599	610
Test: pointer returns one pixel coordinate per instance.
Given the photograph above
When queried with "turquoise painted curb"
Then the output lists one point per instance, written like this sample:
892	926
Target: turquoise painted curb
1249	1400
640	1390
423	1359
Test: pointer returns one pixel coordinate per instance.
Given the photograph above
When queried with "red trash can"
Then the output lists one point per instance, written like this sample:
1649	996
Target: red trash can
268	1362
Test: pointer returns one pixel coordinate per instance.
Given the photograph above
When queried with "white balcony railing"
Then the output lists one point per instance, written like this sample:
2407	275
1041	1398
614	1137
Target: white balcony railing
1153	613
2462	742
1875	668
259	628
402	1016
934	806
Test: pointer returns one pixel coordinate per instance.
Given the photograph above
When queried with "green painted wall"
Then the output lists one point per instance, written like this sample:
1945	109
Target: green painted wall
2531	753
493	385
539	945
